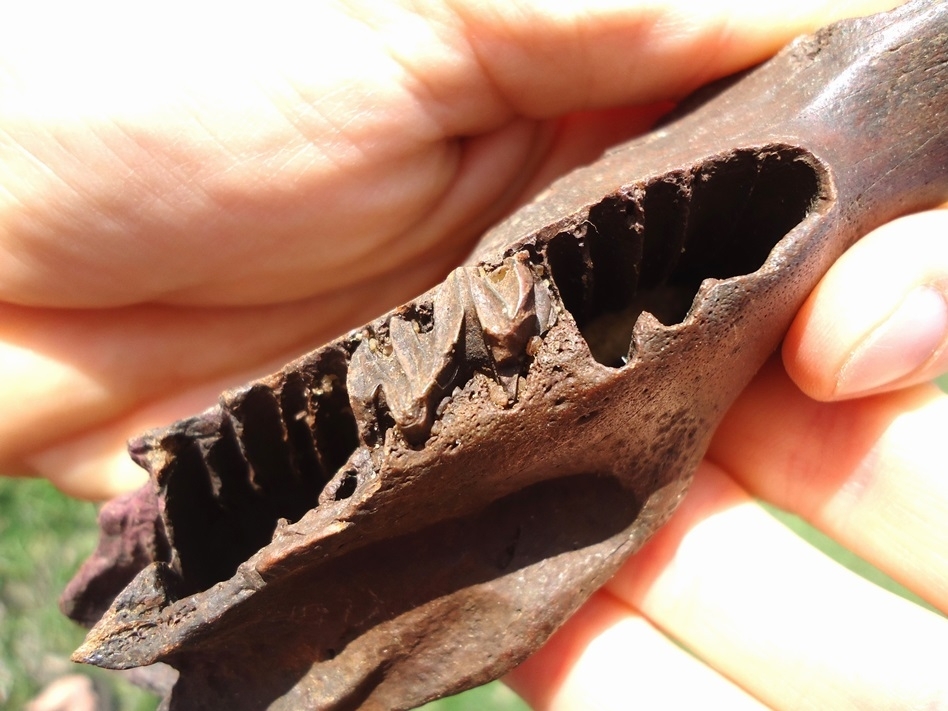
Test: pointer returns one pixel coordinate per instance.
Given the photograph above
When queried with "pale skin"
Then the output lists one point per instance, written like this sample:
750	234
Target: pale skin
190	198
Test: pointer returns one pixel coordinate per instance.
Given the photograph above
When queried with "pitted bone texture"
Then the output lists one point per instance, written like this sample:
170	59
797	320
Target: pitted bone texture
414	508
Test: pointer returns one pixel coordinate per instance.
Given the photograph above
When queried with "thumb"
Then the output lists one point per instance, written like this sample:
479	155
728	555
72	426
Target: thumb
879	318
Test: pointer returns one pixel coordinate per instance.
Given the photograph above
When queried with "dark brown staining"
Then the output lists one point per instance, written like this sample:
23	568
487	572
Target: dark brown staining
265	455
266	446
236	501
197	524
334	426
650	248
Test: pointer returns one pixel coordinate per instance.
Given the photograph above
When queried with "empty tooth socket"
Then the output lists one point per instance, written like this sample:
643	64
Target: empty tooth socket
335	430
297	409
665	215
258	421
264	454
199	530
242	506
571	268
650	247
615	239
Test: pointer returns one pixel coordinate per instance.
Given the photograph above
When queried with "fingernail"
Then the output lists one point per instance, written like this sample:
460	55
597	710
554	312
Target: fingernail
899	346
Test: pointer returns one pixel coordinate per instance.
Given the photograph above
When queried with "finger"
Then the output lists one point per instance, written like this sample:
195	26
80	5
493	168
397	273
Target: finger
581	137
544	60
788	624
870	473
879	318
94	463
607	656
68	372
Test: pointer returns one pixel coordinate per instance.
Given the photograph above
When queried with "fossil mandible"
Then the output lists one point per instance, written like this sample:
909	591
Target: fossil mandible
414	508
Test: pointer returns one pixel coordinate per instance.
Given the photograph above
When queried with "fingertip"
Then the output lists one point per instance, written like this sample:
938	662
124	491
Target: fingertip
98	479
878	320
908	341
610	658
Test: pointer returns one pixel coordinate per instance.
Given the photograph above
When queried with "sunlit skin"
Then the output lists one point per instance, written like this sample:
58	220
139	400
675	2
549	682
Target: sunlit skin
192	196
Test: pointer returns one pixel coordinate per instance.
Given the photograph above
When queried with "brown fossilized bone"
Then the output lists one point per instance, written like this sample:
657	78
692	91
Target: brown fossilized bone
415	507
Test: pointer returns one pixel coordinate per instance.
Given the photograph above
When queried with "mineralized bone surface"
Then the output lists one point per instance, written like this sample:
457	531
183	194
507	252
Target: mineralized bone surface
414	508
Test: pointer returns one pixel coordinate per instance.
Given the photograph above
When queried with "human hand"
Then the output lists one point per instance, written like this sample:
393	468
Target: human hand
852	441
190	198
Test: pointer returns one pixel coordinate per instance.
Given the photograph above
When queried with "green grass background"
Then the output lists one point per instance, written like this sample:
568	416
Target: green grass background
44	536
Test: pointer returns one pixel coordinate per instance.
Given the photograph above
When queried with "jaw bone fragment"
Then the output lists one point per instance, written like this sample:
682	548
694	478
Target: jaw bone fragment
414	508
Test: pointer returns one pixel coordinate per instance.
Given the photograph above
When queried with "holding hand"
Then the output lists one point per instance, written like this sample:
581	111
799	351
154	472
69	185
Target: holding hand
190	198
198	197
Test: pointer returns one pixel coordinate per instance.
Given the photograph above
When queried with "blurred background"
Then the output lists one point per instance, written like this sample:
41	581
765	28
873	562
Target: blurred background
44	536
